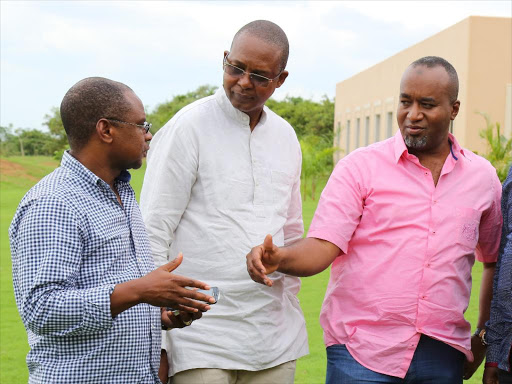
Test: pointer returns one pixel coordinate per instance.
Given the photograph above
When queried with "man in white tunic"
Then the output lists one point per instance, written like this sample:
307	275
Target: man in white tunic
221	174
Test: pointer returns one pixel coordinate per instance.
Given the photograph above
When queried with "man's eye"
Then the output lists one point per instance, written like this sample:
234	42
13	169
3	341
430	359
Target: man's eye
405	102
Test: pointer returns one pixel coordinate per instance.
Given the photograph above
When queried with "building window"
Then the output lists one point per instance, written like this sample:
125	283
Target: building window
389	124
358	132
367	130
377	128
347	138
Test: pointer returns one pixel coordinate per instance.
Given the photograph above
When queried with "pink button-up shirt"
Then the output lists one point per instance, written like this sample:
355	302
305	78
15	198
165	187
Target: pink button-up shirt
408	247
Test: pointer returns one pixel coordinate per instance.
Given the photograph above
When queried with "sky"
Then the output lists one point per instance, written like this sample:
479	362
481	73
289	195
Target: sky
166	48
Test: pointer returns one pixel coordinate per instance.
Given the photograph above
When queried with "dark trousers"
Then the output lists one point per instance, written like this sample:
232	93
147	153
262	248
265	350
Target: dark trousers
434	362
504	377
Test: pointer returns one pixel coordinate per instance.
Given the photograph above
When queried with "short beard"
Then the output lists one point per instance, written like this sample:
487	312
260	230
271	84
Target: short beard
416	143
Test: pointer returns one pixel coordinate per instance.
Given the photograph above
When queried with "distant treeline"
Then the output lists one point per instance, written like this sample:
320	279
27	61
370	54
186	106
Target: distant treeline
313	121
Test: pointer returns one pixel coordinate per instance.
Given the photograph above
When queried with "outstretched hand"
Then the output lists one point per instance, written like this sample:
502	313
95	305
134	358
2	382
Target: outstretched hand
263	260
162	288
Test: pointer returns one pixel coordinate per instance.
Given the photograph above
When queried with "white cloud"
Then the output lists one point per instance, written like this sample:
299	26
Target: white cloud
164	48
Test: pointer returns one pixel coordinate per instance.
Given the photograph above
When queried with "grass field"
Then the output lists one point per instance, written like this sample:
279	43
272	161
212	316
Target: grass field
18	174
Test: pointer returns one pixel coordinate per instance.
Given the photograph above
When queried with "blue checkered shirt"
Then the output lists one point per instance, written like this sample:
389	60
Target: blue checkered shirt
499	327
71	243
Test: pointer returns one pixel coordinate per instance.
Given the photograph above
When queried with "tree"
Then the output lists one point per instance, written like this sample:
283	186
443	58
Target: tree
54	123
307	117
317	153
165	111
499	148
9	144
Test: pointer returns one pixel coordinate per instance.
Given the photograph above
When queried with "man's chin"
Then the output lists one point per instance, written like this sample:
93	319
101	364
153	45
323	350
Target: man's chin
415	142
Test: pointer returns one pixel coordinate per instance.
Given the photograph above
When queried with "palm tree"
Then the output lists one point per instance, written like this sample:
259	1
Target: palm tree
499	147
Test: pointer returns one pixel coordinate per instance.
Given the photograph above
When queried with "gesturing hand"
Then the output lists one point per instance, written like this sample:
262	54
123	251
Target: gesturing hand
263	260
162	288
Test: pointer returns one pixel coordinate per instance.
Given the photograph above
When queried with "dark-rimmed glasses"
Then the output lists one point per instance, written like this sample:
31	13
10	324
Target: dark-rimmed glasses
145	126
258	80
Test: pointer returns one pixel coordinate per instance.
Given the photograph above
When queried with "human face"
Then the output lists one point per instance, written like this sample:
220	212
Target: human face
425	109
253	56
132	142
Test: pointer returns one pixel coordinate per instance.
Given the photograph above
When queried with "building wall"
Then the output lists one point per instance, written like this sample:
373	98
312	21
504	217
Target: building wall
483	63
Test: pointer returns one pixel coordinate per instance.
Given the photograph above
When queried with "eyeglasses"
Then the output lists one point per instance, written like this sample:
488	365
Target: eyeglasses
258	80
146	126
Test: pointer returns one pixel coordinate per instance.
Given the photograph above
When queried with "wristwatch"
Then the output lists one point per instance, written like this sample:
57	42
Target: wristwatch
480	332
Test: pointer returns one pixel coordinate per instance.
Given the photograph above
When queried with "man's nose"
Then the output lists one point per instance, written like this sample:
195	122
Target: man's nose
415	113
245	81
148	136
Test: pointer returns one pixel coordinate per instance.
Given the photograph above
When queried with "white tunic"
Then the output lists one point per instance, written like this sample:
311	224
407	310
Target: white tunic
212	190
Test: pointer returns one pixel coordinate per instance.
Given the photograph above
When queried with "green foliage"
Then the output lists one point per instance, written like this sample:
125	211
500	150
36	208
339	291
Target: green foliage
306	116
54	123
165	111
499	148
317	154
31	142
313	122
9	143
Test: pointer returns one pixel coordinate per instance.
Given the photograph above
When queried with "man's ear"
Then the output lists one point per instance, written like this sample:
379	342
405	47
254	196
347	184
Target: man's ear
104	131
282	78
455	110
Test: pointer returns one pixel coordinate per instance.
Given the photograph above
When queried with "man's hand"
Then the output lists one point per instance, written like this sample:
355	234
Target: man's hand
161	288
181	320
263	260
163	371
478	350
490	375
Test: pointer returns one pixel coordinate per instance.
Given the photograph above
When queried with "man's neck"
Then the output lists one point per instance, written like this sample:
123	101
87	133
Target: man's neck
433	160
97	165
254	119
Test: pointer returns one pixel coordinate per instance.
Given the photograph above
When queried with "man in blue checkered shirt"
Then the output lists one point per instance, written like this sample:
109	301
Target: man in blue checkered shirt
84	280
498	334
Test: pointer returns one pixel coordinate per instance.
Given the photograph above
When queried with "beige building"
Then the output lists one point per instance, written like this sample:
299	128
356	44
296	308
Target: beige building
480	49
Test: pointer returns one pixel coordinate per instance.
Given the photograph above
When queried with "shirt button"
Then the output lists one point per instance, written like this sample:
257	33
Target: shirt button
139	259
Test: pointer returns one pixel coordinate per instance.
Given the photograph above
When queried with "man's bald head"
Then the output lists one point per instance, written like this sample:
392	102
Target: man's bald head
435	61
270	33
88	101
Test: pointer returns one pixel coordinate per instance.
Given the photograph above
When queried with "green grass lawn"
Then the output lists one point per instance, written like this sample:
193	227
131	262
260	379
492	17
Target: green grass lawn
19	174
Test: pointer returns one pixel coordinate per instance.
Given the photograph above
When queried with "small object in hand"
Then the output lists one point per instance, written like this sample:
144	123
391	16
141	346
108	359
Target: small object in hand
187	323
175	312
213	291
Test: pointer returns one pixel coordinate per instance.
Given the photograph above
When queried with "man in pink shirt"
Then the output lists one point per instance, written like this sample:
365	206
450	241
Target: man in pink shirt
401	222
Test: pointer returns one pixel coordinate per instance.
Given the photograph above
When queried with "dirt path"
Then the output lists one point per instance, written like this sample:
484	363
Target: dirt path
10	169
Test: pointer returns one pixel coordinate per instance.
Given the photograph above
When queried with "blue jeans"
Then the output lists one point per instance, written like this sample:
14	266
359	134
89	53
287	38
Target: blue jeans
433	362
